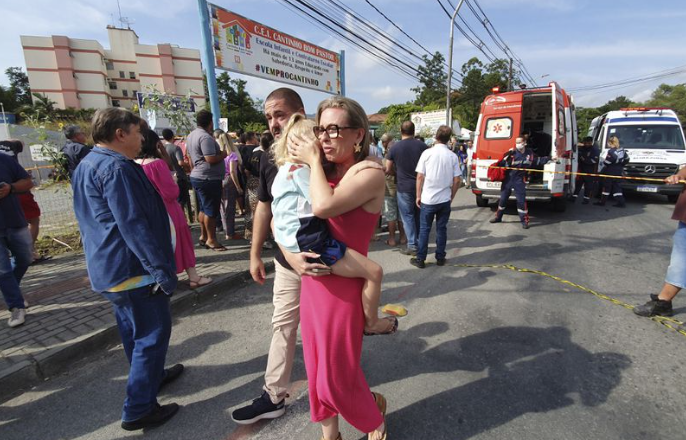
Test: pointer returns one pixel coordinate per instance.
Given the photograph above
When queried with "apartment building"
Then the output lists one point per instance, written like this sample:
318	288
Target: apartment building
82	74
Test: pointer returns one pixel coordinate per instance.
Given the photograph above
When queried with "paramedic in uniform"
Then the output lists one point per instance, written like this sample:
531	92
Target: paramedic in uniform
613	165
588	163
522	158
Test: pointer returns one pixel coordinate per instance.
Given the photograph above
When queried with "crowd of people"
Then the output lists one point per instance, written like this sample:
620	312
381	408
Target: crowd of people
315	188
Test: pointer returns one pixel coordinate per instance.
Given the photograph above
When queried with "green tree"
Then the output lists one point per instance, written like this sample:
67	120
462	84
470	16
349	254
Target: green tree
432	79
673	97
396	115
584	116
236	104
616	104
19	85
477	82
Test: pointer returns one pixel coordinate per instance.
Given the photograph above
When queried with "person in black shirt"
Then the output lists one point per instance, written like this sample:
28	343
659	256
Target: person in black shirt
278	108
405	155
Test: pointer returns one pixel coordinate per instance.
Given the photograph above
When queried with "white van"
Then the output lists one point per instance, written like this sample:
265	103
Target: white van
654	140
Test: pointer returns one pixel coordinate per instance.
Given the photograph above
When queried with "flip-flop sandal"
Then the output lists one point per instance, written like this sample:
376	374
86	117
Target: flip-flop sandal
216	248
202	244
394	310
382	405
390	331
202	281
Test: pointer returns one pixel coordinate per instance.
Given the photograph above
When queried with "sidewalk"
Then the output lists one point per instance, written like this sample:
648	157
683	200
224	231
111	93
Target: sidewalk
67	321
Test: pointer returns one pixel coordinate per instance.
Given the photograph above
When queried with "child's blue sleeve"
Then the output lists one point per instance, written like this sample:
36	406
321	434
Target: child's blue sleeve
301	179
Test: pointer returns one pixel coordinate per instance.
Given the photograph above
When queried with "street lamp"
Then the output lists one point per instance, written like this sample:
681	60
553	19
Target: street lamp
448	115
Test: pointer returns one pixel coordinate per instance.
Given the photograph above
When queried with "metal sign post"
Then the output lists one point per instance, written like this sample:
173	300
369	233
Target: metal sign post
208	58
448	110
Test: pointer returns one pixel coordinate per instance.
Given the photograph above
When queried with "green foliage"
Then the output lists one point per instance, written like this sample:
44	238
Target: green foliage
236	104
433	80
477	83
673	97
174	108
584	116
396	114
257	127
18	93
58	159
616	104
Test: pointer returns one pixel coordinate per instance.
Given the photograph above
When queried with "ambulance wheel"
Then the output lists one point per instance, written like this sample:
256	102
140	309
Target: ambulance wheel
481	202
559	204
672	198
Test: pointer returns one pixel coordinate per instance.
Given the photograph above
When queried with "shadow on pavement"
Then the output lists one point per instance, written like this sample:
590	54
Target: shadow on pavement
529	370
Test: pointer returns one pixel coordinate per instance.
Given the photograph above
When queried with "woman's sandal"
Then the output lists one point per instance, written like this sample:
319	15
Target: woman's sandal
382	405
202	281
393	329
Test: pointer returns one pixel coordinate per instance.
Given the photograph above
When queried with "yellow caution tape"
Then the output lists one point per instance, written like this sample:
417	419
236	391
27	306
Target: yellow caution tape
670	323
528	170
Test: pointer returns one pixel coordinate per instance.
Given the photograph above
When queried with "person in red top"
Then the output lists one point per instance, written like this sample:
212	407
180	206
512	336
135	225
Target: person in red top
675	280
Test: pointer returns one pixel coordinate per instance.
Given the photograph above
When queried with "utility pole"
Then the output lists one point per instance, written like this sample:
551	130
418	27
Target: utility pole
509	78
448	110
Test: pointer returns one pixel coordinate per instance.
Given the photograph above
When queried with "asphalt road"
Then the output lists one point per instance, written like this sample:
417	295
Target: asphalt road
484	353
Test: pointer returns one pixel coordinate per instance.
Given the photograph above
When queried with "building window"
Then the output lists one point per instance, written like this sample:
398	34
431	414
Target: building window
121	74
132	75
113	86
125	93
115	103
109	65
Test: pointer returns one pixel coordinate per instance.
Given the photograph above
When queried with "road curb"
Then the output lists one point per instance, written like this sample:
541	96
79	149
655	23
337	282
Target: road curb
57	360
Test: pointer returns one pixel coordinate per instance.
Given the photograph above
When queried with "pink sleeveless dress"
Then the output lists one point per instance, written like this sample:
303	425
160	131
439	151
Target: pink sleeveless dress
331	323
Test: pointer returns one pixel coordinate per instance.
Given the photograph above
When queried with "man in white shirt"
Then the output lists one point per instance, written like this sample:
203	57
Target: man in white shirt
438	178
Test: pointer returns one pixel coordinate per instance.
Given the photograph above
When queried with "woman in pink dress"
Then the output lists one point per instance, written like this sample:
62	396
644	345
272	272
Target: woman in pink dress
331	315
158	172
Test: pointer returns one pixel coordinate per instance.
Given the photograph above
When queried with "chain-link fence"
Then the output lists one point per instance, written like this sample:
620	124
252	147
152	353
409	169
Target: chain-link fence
55	199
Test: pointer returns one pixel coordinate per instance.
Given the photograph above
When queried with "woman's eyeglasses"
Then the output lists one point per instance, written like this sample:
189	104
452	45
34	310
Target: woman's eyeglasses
332	130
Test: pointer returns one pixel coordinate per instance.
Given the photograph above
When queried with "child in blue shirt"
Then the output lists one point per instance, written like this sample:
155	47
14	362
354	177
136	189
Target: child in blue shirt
296	228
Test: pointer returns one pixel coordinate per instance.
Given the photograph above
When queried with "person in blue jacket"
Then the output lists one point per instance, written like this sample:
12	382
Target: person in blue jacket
522	158
588	163
613	165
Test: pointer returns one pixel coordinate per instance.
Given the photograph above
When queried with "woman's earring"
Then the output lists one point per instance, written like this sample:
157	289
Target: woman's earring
357	148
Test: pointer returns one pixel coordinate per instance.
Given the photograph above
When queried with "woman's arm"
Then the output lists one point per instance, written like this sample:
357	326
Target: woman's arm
363	187
233	172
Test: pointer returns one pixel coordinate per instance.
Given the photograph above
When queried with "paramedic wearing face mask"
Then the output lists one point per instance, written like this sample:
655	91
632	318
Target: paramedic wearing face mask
521	158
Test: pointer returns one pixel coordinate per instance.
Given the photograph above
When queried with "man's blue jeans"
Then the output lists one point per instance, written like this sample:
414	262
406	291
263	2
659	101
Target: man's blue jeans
144	322
409	214
18	242
426	217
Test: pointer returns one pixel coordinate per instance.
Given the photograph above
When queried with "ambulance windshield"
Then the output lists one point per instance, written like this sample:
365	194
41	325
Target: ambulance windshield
660	137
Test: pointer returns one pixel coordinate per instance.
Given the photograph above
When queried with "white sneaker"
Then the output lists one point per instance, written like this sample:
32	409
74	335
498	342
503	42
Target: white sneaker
18	317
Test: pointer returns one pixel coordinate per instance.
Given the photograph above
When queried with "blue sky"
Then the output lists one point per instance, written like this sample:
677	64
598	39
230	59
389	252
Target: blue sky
575	42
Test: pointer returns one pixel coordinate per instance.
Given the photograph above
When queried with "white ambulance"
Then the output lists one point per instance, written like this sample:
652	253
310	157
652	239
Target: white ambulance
654	140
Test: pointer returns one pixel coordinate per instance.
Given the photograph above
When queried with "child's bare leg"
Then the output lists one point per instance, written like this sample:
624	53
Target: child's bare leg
355	265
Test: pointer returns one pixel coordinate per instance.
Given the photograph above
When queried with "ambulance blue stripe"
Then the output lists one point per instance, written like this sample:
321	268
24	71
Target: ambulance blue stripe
642	120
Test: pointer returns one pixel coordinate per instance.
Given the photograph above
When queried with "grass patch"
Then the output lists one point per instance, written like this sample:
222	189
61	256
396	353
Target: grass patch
49	245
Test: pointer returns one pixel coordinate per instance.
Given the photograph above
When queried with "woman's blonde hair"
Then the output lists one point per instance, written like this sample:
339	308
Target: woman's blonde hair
298	124
226	144
356	118
613	142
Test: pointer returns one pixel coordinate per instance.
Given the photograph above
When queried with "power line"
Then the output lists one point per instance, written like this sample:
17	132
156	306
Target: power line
374	51
628	82
498	40
480	46
408	36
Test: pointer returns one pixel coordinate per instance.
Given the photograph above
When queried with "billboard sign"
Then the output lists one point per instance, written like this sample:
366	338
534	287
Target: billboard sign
250	48
428	122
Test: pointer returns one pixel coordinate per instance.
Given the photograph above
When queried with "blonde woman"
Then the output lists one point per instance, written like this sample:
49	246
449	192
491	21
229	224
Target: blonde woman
613	165
331	307
231	187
